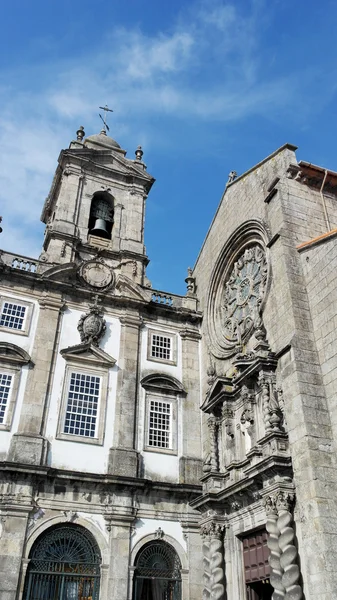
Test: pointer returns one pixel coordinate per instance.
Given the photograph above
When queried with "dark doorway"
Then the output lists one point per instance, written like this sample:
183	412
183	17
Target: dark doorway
157	574
256	565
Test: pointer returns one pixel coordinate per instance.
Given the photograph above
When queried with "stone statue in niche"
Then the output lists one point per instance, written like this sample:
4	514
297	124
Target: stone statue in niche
246	426
243	294
92	325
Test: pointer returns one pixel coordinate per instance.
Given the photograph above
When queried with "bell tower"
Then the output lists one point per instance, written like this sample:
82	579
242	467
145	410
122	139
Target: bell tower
97	205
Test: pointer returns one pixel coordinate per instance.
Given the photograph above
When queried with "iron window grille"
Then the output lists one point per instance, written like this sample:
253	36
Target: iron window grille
157	573
64	564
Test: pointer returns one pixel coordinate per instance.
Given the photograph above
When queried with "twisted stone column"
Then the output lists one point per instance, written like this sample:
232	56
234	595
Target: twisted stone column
217	561
264	383
285	573
214	453
291	572
275	552
206	561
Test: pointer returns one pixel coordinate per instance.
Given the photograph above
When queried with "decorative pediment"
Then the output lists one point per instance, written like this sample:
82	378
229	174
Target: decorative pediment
161	381
14	355
127	287
88	354
221	389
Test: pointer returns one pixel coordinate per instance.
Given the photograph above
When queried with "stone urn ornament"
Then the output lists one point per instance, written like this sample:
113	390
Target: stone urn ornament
92	325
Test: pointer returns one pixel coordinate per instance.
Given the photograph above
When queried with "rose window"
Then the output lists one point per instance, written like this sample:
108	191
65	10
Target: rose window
243	293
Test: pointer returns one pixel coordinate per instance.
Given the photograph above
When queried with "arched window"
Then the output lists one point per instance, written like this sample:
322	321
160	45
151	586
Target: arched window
101	215
64	565
158	573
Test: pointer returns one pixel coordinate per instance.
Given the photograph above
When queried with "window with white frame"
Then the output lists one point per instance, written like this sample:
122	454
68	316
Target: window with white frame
6	384
13	359
163	394
161	347
160	424
13	315
82	405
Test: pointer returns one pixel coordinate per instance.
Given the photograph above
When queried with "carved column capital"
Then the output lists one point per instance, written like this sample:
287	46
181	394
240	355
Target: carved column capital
285	501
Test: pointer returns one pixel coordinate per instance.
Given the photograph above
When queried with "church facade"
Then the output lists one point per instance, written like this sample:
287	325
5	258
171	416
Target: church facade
164	447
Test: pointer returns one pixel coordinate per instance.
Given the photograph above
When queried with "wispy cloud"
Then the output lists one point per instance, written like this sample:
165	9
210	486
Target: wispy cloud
210	66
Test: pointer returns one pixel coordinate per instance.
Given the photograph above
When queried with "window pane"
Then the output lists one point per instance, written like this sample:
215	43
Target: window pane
12	315
82	406
159	424
5	388
161	347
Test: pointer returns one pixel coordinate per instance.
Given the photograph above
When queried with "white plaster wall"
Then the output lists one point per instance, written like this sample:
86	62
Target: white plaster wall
98	521
152	366
26	342
159	465
145	527
79	455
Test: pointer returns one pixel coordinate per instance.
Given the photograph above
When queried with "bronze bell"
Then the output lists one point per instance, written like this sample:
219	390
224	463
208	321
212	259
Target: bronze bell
100	229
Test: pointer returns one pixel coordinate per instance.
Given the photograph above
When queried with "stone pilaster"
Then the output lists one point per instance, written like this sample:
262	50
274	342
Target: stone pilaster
118	576
191	534
28	444
123	459
191	464
13	526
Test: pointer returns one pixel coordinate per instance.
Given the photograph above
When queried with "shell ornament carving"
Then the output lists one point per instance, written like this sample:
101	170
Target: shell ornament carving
243	294
92	325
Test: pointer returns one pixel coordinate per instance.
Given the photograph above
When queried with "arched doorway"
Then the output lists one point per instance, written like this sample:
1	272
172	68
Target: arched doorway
64	565
158	573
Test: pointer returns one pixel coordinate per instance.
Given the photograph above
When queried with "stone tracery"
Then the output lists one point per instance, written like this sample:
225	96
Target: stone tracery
243	293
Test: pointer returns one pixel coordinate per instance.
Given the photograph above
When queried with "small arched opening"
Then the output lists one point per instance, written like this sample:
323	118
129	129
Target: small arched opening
157	573
101	215
64	565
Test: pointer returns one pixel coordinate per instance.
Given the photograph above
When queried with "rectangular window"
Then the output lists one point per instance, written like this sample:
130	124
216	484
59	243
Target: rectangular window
82	405
13	315
161	347
5	390
159	424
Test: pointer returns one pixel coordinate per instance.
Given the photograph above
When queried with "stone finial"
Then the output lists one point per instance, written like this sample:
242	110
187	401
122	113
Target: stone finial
80	133
139	154
232	176
190	282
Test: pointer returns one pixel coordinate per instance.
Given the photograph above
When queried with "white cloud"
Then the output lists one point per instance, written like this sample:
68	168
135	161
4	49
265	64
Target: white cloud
207	68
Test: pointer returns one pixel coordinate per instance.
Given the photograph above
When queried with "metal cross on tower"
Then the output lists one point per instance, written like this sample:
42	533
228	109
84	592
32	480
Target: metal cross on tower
106	110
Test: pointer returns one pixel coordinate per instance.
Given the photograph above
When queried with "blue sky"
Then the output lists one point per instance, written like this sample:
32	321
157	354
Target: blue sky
204	86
